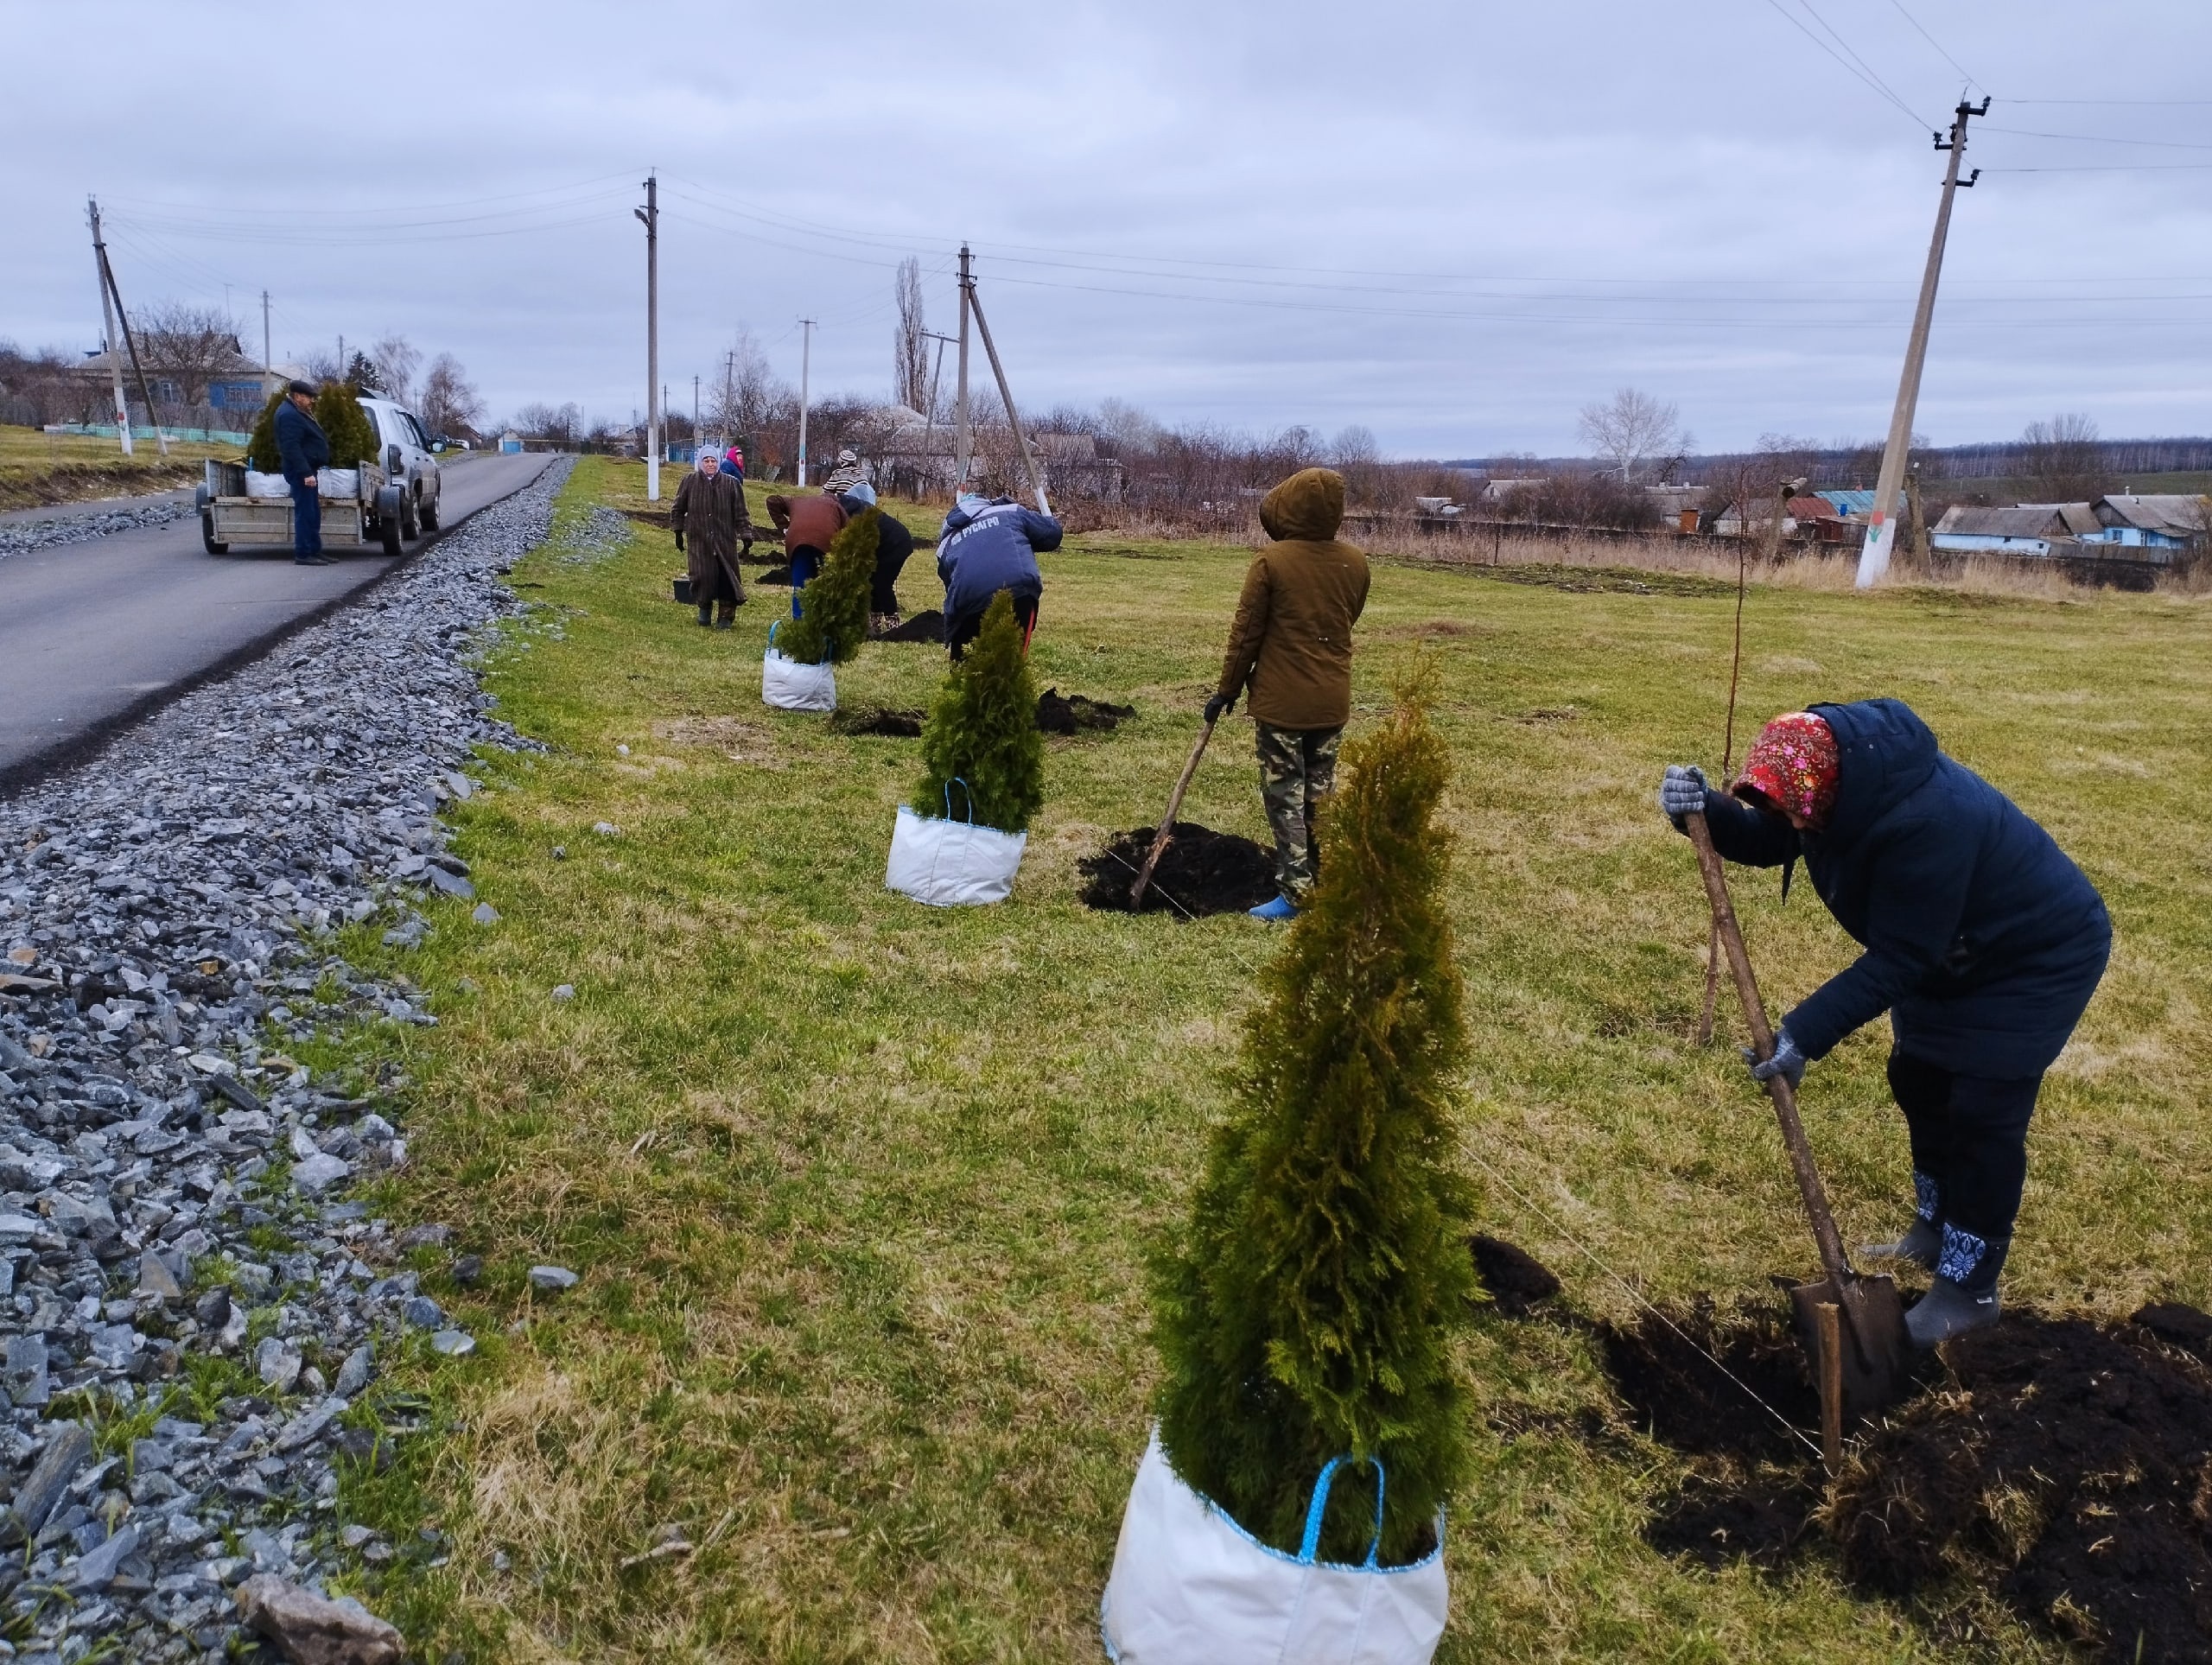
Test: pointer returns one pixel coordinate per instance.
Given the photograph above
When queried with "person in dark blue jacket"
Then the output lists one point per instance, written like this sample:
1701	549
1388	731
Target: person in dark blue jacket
1983	942
302	449
986	546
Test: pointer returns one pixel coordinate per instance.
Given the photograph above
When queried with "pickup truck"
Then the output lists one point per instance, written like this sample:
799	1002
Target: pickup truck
395	498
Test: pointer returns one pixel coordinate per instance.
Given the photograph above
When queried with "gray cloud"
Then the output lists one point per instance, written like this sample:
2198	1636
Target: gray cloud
1451	224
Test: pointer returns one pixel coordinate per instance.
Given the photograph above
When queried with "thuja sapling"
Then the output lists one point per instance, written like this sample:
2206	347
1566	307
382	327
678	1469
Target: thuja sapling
832	621
1308	1309
337	412
981	748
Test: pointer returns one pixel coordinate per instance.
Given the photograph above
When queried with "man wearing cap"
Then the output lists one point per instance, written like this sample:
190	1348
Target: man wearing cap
302	449
1983	942
710	510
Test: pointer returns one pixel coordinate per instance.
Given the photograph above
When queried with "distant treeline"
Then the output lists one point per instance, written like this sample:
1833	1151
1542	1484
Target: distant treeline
1845	466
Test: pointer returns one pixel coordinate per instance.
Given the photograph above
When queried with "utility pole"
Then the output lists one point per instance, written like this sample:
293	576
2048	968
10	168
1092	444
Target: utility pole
805	358
929	423
729	396
650	215
130	344
1882	523
963	437
695	415
264	332
1005	396
109	337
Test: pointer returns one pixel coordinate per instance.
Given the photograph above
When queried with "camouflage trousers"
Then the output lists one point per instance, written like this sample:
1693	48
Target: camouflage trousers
1297	768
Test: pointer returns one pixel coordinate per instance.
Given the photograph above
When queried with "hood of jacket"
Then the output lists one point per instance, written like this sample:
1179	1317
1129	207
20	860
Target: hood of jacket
1884	753
1309	506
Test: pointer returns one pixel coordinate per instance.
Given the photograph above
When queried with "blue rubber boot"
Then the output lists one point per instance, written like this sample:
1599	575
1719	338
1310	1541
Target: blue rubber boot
1280	909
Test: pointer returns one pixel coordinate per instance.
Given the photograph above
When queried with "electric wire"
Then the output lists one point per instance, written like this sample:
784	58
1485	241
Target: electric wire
1938	45
1872	75
1797	23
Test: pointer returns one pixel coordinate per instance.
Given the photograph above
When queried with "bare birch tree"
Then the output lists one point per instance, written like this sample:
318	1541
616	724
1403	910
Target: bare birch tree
910	366
1633	431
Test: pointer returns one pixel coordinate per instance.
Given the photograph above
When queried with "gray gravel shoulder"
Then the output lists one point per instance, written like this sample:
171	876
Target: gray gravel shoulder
24	530
170	1182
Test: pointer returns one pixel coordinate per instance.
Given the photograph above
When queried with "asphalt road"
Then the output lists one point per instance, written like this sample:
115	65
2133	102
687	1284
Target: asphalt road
92	635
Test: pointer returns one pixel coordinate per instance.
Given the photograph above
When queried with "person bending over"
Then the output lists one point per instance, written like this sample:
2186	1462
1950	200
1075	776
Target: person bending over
810	526
1983	942
1290	644
894	544
988	545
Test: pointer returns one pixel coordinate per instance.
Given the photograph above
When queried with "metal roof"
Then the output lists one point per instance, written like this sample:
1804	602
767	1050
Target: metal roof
2044	520
1858	503
2176	513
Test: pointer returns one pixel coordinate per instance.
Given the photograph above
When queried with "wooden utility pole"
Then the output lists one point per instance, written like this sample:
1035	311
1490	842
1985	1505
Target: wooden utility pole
650	215
108	338
1882	523
1005	396
805	364
963	440
130	345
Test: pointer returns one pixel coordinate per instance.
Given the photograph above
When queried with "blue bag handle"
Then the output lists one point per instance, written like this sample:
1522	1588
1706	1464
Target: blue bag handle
1310	1547
771	632
965	787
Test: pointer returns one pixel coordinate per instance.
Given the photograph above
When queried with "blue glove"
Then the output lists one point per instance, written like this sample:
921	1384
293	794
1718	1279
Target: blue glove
1219	705
1788	1062
1682	792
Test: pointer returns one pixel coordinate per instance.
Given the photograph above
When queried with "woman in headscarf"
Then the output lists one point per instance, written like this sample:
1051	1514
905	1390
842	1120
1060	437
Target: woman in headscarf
1983	941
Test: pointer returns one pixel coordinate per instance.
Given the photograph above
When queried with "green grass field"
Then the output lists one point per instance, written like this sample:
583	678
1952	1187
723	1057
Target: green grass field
38	468
862	1193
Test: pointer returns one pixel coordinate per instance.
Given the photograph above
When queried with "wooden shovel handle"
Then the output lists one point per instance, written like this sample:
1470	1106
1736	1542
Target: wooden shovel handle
1160	839
1809	1188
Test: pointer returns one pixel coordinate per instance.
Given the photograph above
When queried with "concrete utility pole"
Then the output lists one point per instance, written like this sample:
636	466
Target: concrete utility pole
130	345
1882	523
929	417
650	215
694	416
265	365
108	337
806	360
1005	396
964	438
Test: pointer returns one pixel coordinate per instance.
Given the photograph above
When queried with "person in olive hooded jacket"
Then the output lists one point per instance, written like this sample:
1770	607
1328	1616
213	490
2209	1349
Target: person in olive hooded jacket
1983	942
1290	645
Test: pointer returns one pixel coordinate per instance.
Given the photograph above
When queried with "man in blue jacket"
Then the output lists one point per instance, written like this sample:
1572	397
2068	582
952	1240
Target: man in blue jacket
1983	941
302	449
987	545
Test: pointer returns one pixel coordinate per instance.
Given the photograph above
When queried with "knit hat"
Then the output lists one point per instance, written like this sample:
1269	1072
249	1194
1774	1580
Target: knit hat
1793	765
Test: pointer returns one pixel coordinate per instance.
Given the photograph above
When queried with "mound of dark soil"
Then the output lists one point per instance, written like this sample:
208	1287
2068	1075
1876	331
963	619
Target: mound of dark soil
876	720
774	575
1074	712
2072	1468
922	627
1203	871
1516	1279
2178	1327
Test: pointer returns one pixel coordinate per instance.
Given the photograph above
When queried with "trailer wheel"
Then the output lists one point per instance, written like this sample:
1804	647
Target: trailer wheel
207	535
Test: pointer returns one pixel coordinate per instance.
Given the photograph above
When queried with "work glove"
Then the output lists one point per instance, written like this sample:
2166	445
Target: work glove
748	547
1219	706
679	542
1682	792
1788	1062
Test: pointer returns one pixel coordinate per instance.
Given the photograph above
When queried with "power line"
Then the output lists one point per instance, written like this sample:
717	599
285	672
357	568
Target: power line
1937	44
1871	73
1797	23
2103	138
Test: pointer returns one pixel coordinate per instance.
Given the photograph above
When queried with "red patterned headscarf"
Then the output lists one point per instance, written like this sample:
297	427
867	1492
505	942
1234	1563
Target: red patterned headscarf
1793	765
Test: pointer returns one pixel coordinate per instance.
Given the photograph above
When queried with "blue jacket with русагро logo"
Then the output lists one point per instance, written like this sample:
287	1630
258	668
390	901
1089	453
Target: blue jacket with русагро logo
1983	941
983	550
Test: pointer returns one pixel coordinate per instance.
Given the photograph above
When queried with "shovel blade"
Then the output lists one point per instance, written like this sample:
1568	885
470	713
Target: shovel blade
1877	1352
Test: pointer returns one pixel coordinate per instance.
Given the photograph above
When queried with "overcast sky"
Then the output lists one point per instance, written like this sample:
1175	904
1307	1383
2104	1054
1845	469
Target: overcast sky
1454	224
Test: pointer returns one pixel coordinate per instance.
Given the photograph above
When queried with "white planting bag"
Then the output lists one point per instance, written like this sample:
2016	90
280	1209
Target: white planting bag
790	686
1190	1586
265	485
337	482
951	863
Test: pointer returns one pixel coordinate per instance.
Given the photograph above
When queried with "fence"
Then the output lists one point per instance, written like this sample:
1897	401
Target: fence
188	435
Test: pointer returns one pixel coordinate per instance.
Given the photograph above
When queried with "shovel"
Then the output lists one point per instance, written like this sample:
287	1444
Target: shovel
1854	1323
1166	836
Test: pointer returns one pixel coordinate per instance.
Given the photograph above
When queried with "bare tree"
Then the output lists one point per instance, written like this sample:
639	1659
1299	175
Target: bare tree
450	404
396	359
910	365
749	393
548	421
1633	431
2063	459
188	346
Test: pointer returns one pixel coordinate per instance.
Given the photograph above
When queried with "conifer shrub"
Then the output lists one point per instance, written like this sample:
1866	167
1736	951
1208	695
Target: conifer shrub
352	437
1308	1310
983	730
833	604
261	452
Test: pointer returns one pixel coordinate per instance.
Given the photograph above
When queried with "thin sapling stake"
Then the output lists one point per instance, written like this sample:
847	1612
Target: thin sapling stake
1308	1309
